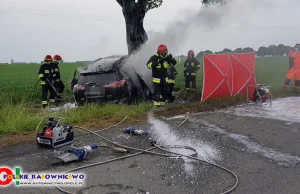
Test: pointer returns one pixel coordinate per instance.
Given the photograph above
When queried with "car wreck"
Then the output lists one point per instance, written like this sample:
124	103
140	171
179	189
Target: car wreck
111	79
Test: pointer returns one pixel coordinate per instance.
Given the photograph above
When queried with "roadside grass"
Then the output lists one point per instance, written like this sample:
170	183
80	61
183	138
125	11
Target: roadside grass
17	82
20	118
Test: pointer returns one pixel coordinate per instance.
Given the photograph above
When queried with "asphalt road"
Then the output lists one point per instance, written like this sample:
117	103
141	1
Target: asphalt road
263	153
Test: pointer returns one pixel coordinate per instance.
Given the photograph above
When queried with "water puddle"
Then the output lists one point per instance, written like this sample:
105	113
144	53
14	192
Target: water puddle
283	159
164	135
286	109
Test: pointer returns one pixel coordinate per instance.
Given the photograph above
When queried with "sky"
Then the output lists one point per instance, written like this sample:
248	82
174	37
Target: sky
89	29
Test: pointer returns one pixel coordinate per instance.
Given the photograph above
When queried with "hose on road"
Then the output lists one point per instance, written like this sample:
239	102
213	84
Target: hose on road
148	151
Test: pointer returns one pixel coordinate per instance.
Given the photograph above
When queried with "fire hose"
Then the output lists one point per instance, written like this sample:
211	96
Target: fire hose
51	85
149	151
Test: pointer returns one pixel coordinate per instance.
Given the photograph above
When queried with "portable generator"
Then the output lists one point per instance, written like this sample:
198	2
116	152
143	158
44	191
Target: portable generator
54	134
261	93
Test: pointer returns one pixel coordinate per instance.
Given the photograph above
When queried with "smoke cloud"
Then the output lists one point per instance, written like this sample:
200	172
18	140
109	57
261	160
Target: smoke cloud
239	23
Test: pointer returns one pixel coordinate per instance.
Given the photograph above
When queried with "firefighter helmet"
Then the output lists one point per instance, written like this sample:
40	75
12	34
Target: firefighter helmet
57	57
191	53
48	58
162	50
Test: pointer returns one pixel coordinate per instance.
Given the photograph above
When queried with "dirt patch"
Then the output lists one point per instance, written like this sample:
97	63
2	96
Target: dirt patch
16	138
188	95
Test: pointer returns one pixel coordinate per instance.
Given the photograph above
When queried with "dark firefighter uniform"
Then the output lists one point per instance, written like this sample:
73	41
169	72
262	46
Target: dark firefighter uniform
46	77
191	66
294	68
58	84
172	72
159	64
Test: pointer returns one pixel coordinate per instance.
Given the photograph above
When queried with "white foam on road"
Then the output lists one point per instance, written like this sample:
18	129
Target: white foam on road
175	117
164	135
286	109
284	159
280	158
65	107
183	116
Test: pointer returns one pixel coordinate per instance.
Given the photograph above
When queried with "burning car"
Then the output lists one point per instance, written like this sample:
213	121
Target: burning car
105	80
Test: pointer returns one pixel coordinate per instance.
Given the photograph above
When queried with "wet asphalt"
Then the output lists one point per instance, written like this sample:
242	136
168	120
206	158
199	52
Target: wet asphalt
264	153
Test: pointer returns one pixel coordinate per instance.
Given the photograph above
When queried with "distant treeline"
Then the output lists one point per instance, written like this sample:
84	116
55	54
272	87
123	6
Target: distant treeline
272	50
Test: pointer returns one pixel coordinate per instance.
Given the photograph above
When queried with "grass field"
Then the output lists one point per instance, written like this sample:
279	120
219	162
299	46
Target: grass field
17	83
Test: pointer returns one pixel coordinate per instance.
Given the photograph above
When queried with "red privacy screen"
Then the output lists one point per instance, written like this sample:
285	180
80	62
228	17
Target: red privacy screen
228	74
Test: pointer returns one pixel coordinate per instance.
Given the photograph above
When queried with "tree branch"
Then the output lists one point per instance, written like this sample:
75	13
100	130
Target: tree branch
152	4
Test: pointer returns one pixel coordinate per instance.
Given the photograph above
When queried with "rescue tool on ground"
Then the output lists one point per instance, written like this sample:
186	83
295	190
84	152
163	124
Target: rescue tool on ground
53	134
79	154
135	131
75	154
261	93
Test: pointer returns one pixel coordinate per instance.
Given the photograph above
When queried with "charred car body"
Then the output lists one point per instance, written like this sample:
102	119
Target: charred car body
105	80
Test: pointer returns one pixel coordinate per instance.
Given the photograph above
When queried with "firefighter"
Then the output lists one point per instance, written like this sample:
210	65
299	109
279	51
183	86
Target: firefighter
46	78
294	68
172	72
191	66
58	84
159	64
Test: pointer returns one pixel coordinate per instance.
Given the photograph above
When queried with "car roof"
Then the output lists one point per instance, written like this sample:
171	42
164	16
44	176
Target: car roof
102	64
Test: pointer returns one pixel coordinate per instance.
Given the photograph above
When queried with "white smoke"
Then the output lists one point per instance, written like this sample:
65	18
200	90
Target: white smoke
242	23
219	26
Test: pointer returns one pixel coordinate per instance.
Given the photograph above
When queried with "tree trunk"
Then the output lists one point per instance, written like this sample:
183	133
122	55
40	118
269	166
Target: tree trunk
134	14
135	32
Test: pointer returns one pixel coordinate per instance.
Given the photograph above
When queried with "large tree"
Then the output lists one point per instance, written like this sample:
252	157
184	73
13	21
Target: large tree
134	12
